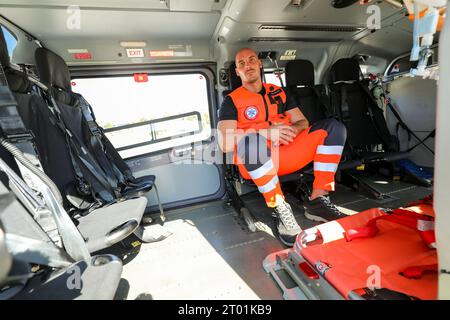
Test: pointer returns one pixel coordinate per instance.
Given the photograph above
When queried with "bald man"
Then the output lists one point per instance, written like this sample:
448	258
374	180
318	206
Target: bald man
270	137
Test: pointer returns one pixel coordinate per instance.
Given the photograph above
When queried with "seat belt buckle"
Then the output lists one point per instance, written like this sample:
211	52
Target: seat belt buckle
83	187
20	137
93	127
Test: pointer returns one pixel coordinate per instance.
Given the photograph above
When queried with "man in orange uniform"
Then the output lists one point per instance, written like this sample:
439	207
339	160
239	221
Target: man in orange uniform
270	136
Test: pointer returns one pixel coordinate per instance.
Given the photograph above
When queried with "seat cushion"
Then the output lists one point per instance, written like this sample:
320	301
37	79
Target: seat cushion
149	179
97	225
100	277
140	186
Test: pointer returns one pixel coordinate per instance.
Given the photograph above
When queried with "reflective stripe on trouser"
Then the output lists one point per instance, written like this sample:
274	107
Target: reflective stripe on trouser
328	153
322	143
256	159
266	179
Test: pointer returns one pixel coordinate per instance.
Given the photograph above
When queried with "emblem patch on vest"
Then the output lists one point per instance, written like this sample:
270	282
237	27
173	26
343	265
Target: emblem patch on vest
251	113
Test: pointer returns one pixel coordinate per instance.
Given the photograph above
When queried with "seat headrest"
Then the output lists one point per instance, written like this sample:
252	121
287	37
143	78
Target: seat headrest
18	81
345	70
299	73
235	80
52	69
4	56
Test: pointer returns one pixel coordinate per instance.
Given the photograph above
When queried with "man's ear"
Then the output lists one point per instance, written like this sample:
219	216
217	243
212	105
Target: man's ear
237	73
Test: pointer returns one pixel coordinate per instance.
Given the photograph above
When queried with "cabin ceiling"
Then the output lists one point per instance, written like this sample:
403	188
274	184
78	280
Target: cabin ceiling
202	24
120	20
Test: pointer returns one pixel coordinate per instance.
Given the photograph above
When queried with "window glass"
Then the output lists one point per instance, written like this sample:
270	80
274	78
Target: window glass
272	78
160	112
11	40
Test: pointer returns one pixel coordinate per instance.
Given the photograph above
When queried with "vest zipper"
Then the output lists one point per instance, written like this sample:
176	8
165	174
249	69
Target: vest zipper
266	107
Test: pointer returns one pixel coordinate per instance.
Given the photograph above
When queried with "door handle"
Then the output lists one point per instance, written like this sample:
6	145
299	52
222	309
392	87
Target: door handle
182	152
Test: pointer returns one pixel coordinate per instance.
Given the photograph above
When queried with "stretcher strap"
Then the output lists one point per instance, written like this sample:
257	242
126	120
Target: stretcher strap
416	272
428	200
422	223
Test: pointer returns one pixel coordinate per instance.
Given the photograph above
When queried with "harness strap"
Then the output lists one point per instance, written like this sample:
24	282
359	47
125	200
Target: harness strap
422	223
114	166
417	272
104	189
345	108
324	102
95	141
371	107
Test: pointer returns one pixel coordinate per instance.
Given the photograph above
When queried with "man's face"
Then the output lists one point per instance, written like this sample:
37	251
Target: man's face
248	66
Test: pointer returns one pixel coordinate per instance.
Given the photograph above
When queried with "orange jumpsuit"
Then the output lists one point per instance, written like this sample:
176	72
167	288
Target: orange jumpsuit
257	159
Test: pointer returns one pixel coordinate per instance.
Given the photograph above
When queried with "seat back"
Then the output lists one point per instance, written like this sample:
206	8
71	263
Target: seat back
55	155
309	97
49	142
53	71
78	117
234	81
351	98
23	243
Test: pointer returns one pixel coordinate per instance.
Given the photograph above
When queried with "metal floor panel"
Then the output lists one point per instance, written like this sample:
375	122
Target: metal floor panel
352	201
208	256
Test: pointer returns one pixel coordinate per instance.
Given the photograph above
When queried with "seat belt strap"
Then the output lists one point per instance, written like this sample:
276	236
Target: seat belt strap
102	187
12	127
345	109
106	191
71	237
324	102
74	153
97	141
36	251
99	151
371	106
117	160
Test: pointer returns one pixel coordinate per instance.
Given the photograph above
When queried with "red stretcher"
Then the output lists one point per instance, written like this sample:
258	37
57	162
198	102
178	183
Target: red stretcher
374	254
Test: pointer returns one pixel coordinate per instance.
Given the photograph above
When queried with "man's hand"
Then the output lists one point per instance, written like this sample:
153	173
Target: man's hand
298	120
299	126
281	134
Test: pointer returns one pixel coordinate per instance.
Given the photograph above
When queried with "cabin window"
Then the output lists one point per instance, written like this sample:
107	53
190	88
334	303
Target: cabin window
142	113
273	78
11	40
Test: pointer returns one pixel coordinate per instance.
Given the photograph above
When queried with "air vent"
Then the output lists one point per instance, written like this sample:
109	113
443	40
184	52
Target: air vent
322	28
291	39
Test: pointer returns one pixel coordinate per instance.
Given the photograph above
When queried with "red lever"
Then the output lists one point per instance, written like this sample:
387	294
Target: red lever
141	77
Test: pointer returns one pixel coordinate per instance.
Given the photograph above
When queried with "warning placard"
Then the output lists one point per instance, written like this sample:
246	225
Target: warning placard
289	55
161	53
